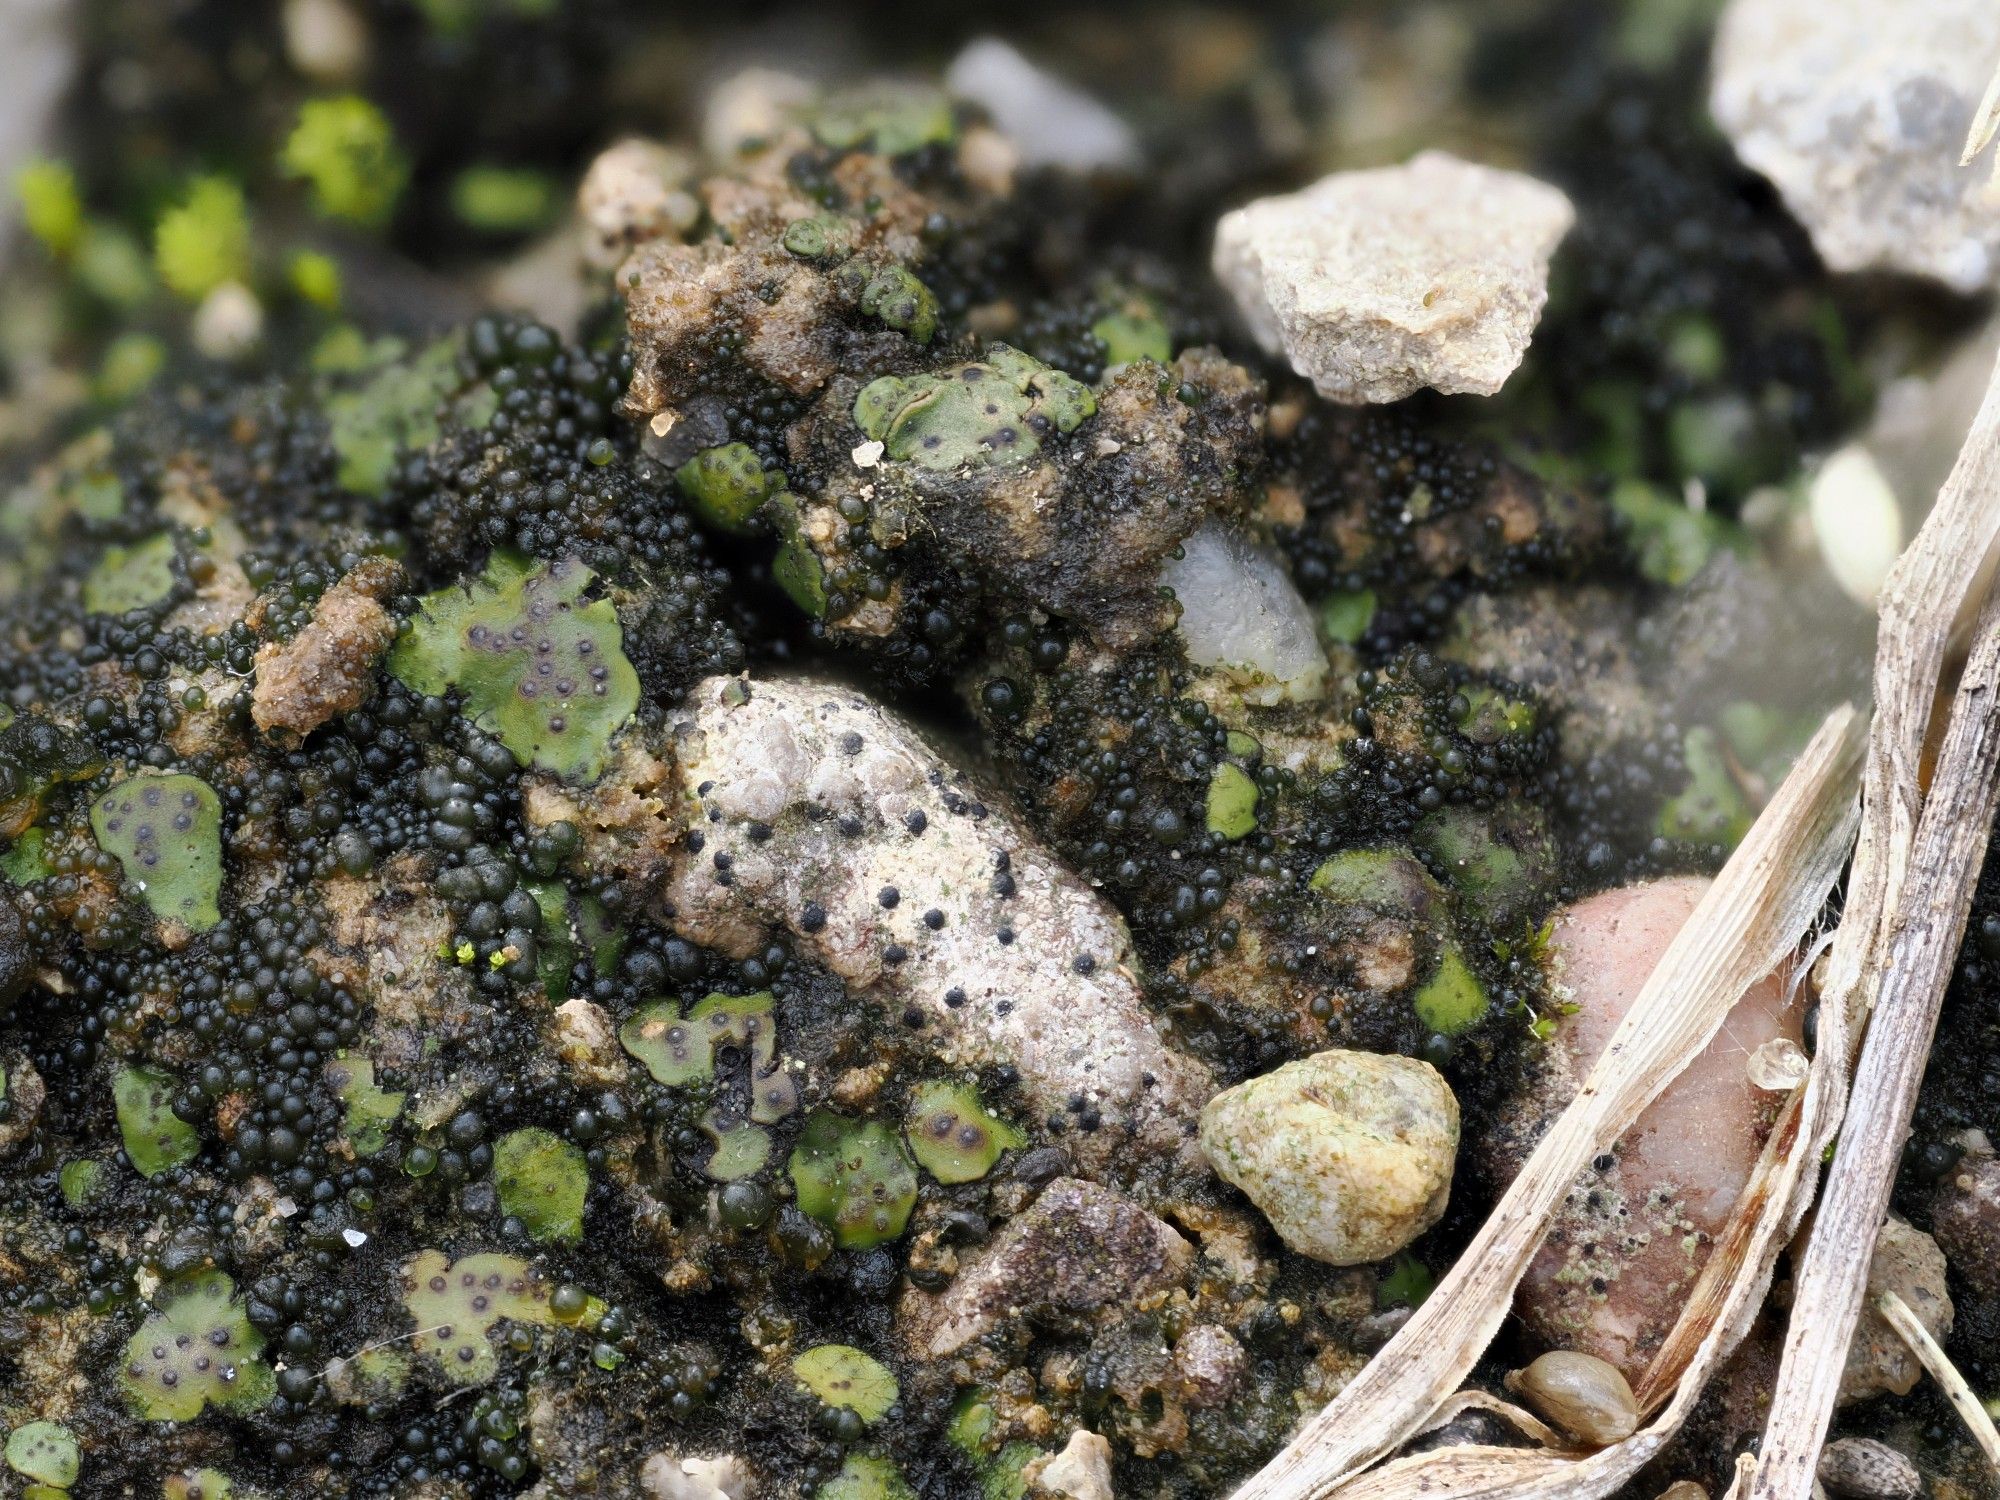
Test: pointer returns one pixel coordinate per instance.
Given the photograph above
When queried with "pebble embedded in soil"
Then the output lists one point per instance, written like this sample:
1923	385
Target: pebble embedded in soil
1907	1262
1863	1469
1241	615
1377	284
1082	1471
1348	1154
1965	1218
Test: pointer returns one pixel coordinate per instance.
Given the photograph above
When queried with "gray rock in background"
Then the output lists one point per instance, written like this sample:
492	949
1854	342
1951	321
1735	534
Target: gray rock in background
1050	122
1857	110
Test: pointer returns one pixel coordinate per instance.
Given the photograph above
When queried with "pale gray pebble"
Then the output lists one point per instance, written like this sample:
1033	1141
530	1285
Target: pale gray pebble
1863	1469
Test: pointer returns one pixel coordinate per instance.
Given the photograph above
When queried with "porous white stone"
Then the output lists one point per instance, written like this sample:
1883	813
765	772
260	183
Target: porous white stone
1376	284
1857	110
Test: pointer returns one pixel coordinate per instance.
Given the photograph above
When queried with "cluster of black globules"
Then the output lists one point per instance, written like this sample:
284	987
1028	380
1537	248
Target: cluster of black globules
1691	332
552	475
1113	764
1416	519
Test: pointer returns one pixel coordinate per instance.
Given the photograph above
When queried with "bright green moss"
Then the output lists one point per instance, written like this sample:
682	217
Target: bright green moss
112	266
497	199
1490	716
316	278
741	1149
1345	615
726	485
1499	859
823	237
1407	1283
1670	541
542	1181
367	1111
558	942
23	863
50	205
1134	331
1711	808
987	413
1005	1476
972	1423
953	1135
971	1432
129	578
1364	877
167	834
346	151
377	1375
155	1137
681	1052
842	1376
132	361
44	1452
393	412
543	671
204	240
796	567
854	1177
1232	802
196	1350
80	1181
1453	1000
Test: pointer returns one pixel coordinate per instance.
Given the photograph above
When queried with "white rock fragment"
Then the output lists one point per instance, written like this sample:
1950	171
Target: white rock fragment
635	192
1082	1471
1856	521
1376	284
1050	123
1857	111
1241	614
1778	1065
1348	1154
229	322
668	1476
750	106
325	39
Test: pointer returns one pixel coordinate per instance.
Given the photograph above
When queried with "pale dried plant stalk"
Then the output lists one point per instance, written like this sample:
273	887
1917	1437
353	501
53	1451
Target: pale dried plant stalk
1970	1411
1750	920
1911	886
1935	589
1985	123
